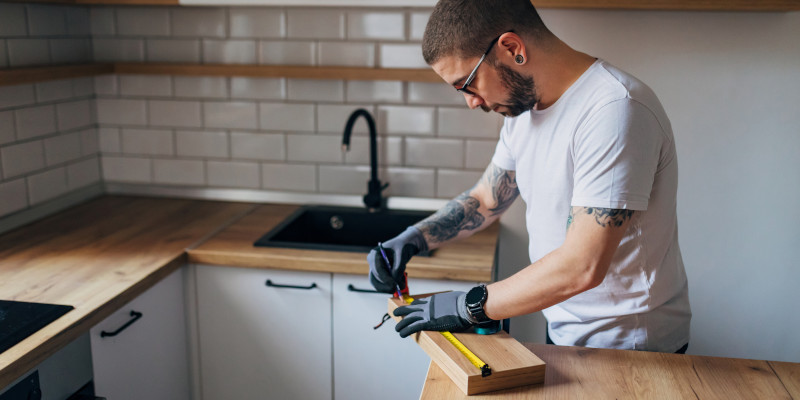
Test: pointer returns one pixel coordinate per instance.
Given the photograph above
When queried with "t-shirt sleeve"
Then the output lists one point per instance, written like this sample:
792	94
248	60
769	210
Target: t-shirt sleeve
616	155
503	157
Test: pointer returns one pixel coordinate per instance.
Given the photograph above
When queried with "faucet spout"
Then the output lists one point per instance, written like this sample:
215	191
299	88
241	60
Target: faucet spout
373	199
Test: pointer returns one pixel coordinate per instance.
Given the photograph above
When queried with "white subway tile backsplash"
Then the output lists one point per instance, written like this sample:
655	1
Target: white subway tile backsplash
47	185
106	85
173	50
174	113
424	152
102	20
70	51
145	85
78	21
127	169
401	56
258	146
343	179
314	148
12	20
390	151
292	177
287	53
28	52
232	114
418	22
7	127
63	148
201	86
73	115
347	54
35	121
451	183
83	87
411	182
229	51
257	22
433	93
200	21
374	91
83	173
152	142
123	50
258	88
315	89
405	119
479	153
375	25
90	142
17	95
121	112
110	140
307	23
178	172
47	20
332	118
53	90
233	174
202	143
142	21
22	158
286	117
463	122
13	194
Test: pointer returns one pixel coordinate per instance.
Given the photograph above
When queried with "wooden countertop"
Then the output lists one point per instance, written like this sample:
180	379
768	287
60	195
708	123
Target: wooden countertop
471	259
585	373
97	257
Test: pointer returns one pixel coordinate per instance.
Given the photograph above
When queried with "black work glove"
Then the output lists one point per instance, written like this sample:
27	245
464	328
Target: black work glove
398	250
440	312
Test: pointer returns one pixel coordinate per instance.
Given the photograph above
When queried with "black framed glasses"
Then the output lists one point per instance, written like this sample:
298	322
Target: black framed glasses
471	76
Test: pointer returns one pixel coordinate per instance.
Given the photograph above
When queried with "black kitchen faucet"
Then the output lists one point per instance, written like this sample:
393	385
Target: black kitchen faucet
372	199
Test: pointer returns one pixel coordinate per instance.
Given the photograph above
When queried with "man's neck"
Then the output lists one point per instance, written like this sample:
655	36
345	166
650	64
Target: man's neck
557	71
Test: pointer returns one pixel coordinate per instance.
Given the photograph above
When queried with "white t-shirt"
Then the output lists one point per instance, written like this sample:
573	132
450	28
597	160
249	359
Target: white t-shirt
608	143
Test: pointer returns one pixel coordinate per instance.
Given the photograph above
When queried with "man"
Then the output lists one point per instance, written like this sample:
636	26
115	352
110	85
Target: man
590	150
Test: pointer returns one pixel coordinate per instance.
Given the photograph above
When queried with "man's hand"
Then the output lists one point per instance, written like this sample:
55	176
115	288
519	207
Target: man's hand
440	312
398	250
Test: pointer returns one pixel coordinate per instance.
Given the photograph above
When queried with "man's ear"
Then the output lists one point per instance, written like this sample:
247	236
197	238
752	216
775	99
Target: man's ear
511	49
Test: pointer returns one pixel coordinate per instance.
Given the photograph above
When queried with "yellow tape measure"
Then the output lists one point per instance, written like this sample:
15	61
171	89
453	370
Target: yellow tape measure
484	367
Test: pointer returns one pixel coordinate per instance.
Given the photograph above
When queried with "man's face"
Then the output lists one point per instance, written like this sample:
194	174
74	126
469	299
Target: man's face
496	88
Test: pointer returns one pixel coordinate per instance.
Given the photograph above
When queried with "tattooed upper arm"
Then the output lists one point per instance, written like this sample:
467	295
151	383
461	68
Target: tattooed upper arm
502	185
605	217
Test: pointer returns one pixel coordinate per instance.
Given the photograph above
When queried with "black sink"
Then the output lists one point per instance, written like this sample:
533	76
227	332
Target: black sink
19	319
339	228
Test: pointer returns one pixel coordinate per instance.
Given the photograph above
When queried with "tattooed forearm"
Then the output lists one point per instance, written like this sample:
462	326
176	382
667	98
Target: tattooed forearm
503	185
458	215
605	217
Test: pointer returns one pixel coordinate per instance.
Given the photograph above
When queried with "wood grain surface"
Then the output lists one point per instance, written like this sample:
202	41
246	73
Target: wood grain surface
585	373
97	257
471	259
512	363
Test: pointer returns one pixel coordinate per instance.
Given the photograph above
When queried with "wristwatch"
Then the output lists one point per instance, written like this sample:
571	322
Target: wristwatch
475	300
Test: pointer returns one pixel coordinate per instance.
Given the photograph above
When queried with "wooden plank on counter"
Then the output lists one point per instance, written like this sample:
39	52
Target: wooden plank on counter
586	373
789	374
471	259
97	257
18	76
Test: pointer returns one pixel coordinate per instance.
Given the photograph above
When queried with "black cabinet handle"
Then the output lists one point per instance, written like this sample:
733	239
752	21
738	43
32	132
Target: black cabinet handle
135	316
271	284
352	288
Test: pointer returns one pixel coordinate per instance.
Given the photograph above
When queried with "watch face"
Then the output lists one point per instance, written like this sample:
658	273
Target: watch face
475	295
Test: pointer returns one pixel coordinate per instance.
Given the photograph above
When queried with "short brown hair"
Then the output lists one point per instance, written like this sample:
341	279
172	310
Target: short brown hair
465	28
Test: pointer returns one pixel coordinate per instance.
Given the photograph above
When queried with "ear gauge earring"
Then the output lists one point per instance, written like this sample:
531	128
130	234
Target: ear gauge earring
519	59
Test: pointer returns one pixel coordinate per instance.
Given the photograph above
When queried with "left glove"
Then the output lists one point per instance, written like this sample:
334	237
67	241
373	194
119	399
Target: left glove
440	312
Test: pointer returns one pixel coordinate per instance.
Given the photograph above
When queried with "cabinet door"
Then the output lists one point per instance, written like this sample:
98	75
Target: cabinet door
264	342
376	364
148	359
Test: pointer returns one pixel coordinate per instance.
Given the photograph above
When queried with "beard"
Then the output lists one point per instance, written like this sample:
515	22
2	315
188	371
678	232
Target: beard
522	92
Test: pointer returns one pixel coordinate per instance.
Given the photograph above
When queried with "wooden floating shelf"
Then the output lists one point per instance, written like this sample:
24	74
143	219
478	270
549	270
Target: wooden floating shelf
18	76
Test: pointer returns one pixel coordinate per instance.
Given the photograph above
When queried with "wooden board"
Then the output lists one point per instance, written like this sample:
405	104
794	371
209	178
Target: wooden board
512	363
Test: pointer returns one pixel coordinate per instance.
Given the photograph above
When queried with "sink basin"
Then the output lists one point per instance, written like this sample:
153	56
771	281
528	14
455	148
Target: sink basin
339	228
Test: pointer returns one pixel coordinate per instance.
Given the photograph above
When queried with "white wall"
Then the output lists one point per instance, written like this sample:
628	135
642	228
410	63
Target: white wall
730	83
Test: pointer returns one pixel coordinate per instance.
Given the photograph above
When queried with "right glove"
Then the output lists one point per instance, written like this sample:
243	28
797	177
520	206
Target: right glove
398	250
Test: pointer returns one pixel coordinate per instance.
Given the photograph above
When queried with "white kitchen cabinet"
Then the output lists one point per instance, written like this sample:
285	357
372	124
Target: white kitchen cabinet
148	359
263	342
376	364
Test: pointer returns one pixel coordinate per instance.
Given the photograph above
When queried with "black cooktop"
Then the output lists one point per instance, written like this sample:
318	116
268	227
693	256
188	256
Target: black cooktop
19	320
